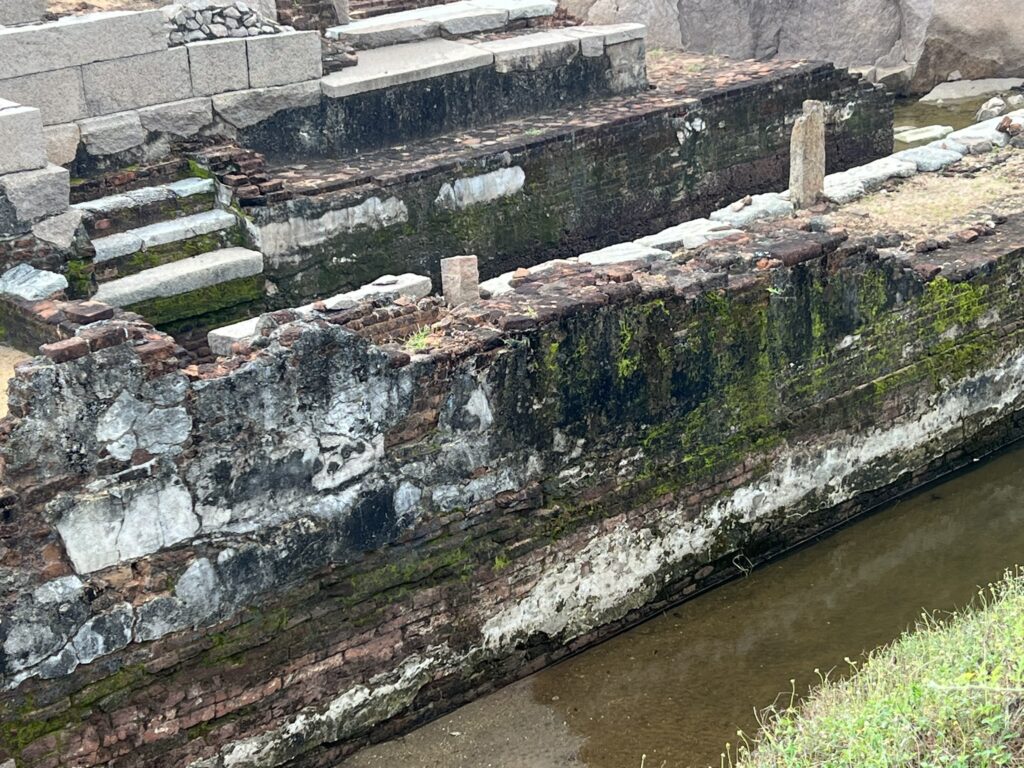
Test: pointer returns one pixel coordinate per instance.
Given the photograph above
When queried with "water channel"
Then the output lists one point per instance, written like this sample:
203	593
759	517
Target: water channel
676	688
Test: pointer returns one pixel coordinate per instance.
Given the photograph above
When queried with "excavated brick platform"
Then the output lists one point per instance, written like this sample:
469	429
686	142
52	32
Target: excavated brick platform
556	183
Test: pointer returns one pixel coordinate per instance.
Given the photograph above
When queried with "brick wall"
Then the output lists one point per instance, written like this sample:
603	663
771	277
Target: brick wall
621	171
469	518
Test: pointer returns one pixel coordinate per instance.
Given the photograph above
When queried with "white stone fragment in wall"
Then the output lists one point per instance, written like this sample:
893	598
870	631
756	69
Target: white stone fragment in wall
483	188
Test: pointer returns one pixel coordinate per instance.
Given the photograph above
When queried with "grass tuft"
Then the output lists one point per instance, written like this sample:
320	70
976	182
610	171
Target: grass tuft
949	693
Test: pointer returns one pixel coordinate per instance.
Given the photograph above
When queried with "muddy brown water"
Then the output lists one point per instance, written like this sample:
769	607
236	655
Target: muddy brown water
680	686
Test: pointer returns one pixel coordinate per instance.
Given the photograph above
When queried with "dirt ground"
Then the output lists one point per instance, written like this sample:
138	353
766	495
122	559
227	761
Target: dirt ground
932	204
8	359
87	6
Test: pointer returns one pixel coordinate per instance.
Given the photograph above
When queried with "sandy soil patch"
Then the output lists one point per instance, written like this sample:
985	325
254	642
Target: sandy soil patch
8	359
932	204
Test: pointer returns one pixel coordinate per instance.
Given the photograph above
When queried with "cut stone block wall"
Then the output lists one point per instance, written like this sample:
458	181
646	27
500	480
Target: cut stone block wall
108	65
550	468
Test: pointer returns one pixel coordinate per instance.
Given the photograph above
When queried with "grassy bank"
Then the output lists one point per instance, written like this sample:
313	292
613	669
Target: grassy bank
950	693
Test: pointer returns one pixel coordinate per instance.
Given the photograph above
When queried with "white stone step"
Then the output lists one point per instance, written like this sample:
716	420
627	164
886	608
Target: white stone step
407	63
183	276
136	198
409	285
162	233
459	18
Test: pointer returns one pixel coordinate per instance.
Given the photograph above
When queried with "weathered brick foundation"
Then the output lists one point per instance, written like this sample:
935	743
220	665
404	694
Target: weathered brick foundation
270	559
554	185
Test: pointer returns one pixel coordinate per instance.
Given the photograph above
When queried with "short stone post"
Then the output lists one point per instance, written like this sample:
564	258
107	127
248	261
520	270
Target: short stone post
460	280
807	157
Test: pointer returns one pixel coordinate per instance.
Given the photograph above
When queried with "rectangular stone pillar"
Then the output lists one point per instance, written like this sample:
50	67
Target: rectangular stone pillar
460	280
807	157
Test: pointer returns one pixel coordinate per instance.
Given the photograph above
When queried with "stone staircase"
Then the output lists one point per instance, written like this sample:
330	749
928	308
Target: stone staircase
169	252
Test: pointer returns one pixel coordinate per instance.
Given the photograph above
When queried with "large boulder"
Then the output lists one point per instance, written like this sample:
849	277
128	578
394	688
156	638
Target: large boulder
910	45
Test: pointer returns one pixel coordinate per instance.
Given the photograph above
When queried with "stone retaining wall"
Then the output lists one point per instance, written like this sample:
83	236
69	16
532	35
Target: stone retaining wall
517	195
447	514
108	83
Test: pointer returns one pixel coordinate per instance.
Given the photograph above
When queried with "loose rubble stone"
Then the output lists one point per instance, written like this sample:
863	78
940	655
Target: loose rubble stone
192	22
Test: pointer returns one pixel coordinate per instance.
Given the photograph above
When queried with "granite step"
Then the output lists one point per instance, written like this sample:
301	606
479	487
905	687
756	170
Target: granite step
152	291
453	20
136	250
136	208
407	62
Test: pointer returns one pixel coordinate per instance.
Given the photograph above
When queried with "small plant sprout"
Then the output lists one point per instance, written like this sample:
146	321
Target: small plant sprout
419	340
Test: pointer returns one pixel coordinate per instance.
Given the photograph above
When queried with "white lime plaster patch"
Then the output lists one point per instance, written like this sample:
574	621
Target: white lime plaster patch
281	240
473	190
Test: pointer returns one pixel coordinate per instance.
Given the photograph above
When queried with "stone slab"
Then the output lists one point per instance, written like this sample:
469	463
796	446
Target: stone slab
162	233
31	284
622	252
768	206
929	159
137	81
470	21
928	133
460	280
218	66
111	134
37	194
74	40
290	57
62	142
21	11
987	131
971	89
688	235
594	37
183	276
180	118
408	63
369	33
519	9
243	109
541	50
22	146
59	94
